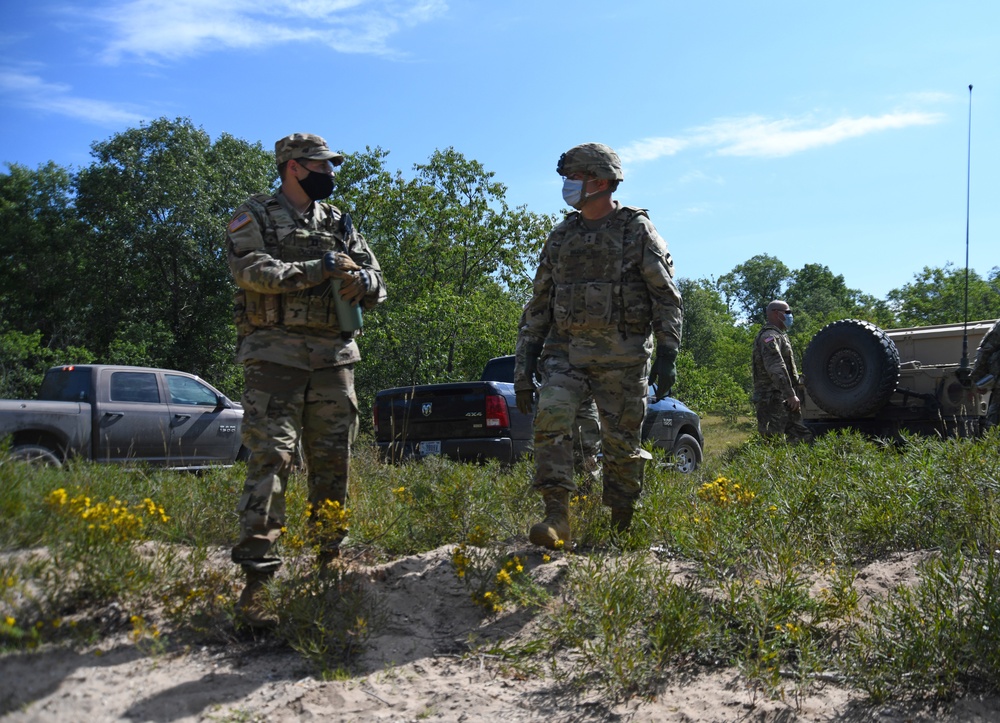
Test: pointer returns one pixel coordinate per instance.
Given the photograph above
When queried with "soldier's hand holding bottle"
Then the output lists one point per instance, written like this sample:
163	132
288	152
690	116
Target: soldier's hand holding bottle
354	279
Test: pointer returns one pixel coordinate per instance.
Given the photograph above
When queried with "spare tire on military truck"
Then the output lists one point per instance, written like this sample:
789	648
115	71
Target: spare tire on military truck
881	382
851	368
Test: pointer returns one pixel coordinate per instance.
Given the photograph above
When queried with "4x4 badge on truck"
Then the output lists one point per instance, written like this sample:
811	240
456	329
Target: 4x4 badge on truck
426	409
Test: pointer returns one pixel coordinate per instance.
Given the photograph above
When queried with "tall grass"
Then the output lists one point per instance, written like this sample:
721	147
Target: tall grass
751	562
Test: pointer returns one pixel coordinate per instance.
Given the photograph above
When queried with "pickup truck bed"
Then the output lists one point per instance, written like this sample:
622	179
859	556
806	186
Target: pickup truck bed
467	421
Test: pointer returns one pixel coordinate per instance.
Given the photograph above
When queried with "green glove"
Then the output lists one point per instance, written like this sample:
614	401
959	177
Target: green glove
664	371
525	400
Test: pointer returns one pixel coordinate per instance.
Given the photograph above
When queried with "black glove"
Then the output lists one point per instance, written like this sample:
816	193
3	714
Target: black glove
664	371
964	376
532	352
525	400
339	265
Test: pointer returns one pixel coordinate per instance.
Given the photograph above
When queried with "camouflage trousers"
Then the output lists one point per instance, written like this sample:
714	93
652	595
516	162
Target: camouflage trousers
587	441
283	408
775	418
620	397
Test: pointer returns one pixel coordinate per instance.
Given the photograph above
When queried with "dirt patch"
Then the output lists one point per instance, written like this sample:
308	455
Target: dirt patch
416	667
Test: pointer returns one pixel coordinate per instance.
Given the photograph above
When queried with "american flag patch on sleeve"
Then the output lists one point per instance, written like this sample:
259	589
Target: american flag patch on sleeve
239	221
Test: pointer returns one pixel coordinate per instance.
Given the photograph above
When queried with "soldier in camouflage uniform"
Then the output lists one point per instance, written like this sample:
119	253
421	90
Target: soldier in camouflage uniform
988	362
285	252
586	431
603	290
775	378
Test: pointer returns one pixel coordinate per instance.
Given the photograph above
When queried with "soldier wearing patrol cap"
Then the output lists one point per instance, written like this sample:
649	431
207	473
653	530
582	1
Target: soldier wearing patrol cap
287	253
775	379
603	293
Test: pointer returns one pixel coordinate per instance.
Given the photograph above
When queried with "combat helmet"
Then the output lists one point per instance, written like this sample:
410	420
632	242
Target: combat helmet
595	159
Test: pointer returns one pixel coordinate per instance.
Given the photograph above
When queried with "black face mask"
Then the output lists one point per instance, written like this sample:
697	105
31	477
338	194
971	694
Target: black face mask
317	185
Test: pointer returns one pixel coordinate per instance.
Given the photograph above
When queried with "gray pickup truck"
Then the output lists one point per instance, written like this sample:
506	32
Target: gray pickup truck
124	414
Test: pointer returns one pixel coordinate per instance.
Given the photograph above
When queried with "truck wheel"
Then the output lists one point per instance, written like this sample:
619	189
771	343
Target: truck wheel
687	454
851	368
35	454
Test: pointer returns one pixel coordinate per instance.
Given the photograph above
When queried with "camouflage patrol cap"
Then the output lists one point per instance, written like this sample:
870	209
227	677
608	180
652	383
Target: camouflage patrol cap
305	145
595	159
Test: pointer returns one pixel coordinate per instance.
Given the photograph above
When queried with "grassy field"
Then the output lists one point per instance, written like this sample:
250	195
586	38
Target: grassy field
772	538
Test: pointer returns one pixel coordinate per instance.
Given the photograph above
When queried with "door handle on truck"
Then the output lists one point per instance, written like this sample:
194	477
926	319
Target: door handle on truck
179	418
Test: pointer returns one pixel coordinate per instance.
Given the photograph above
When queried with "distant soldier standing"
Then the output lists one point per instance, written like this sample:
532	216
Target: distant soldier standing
603	290
988	362
285	251
775	378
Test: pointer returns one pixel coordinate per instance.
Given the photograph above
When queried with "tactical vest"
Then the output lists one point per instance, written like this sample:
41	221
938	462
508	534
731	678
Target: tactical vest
598	277
311	308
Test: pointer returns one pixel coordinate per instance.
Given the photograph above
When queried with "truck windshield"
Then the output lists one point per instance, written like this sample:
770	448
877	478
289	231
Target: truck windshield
66	385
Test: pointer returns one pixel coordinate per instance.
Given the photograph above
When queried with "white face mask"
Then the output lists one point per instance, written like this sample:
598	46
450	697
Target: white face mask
572	192
788	321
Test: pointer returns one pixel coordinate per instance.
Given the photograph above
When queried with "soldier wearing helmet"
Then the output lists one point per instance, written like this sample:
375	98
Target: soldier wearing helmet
603	294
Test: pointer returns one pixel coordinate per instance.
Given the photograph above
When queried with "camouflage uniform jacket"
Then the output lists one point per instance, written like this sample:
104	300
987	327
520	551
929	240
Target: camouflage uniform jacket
988	355
601	295
773	364
284	311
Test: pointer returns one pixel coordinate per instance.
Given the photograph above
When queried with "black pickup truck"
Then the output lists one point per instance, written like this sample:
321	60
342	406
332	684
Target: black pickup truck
472	421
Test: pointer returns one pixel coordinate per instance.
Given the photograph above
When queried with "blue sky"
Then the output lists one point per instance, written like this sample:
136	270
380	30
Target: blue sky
830	133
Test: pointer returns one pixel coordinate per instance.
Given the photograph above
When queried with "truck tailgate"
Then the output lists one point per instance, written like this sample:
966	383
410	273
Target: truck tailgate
465	420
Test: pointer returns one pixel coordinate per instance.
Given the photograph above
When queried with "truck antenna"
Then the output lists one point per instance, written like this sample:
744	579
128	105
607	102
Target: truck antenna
968	175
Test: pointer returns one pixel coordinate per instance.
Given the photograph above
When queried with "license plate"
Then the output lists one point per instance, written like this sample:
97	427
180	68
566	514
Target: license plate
429	448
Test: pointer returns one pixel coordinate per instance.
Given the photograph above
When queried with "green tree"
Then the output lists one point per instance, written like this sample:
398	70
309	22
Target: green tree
818	297
24	361
157	199
42	247
938	296
714	374
750	286
457	260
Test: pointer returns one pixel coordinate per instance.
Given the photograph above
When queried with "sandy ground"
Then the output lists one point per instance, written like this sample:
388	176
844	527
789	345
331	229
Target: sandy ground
414	669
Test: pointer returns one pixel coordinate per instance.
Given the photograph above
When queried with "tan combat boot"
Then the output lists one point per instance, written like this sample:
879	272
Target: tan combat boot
555	527
250	606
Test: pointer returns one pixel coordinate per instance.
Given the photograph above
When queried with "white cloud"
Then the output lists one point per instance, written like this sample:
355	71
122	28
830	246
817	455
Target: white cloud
766	138
649	149
31	91
155	30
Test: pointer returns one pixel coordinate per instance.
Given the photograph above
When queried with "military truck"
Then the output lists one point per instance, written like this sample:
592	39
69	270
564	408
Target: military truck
857	375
